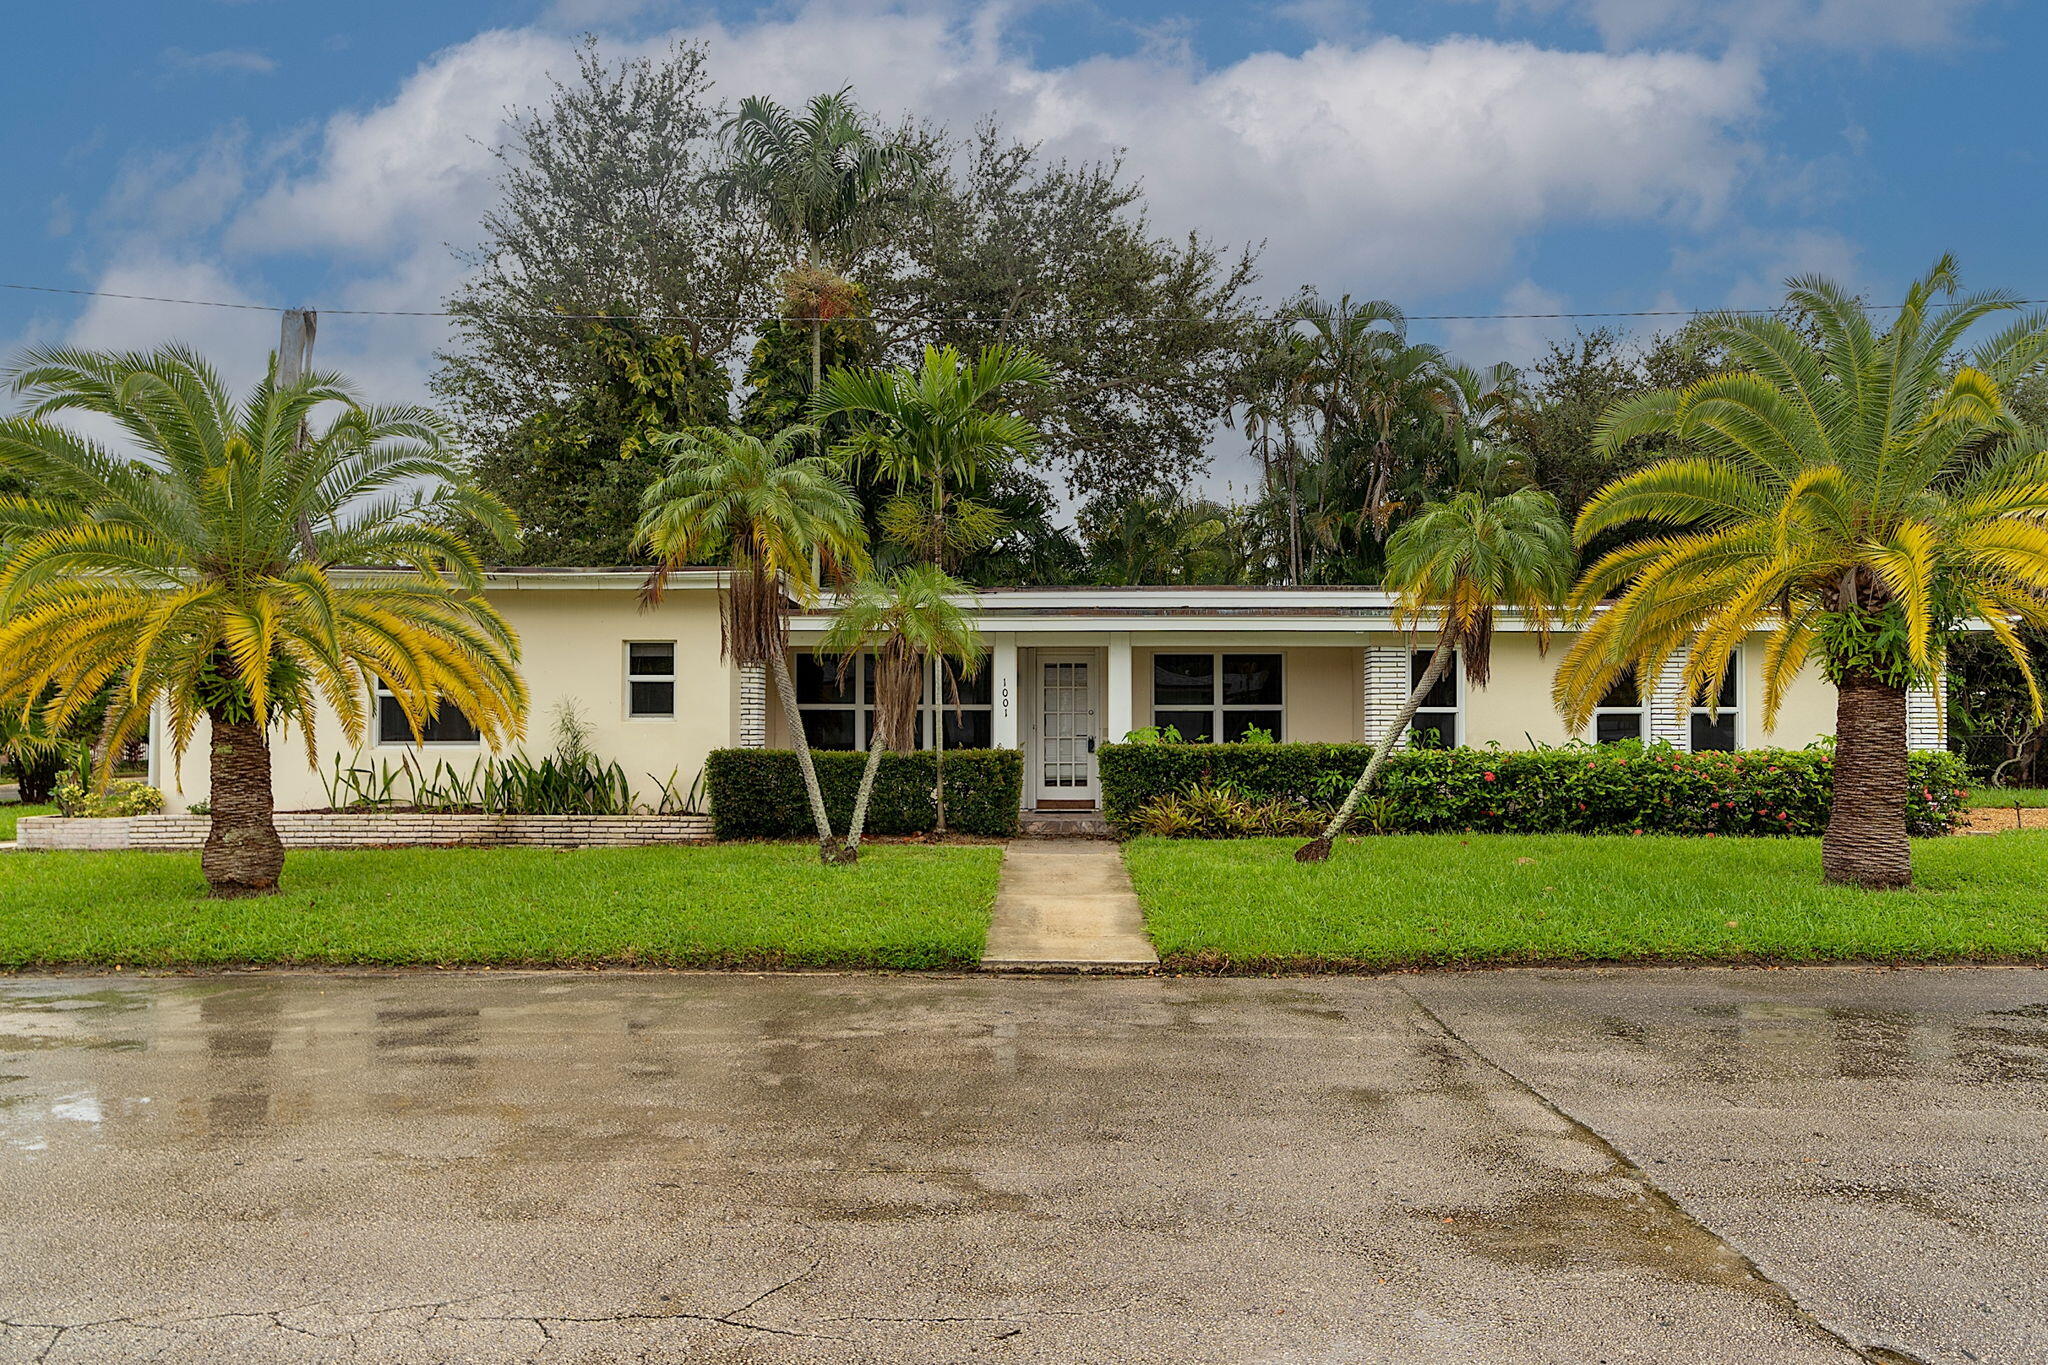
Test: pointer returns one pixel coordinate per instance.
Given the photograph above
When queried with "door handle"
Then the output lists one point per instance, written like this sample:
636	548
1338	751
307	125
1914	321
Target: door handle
1091	744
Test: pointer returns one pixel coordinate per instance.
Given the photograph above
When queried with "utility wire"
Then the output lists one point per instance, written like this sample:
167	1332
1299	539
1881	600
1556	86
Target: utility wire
773	317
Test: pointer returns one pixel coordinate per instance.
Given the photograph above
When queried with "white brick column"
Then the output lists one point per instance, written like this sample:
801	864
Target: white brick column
1388	682
753	706
1669	706
1927	715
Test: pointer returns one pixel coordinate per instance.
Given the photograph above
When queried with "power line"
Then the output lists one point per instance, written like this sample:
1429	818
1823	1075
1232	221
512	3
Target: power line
1042	317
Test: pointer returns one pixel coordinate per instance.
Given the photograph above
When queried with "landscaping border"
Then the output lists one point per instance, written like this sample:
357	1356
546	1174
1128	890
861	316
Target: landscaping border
371	829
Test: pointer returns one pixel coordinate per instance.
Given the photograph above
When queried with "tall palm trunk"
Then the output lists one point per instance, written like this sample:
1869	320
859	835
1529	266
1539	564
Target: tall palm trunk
1865	843
859	823
1318	849
243	855
785	687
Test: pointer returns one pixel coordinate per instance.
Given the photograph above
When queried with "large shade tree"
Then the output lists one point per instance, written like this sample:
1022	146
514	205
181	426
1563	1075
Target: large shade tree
907	620
1489	546
1849	488
782	522
201	568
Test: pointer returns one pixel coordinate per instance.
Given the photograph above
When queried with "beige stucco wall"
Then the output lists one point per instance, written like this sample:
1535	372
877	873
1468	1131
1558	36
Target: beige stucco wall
1324	688
572	646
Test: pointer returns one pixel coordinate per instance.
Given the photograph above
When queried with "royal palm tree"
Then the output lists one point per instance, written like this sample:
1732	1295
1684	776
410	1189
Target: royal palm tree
782	521
908	620
823	184
930	426
1455	563
1854	491
200	568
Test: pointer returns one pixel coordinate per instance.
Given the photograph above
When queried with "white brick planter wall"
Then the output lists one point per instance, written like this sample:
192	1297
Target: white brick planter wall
373	829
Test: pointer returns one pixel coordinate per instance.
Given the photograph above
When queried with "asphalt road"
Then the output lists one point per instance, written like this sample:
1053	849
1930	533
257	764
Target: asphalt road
1706	1166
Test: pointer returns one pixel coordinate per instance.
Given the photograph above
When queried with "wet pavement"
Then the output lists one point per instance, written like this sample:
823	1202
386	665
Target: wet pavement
1712	1166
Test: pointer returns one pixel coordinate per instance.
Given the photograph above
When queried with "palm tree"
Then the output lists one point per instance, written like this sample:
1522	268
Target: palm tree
1457	562
823	184
907	620
1854	491
198	568
782	521
1373	387
929	426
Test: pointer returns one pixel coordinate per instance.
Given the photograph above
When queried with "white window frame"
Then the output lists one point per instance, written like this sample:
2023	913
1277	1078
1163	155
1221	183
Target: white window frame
673	678
928	709
1217	706
1733	711
1641	712
379	692
1457	677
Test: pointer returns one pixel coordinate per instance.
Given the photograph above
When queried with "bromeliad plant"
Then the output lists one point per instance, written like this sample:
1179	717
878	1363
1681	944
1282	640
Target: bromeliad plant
199	568
1852	491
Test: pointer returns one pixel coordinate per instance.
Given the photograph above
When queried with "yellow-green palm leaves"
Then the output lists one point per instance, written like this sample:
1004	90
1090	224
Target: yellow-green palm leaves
1851	489
202	564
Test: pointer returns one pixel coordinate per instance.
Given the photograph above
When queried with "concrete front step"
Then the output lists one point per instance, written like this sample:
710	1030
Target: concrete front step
1064	824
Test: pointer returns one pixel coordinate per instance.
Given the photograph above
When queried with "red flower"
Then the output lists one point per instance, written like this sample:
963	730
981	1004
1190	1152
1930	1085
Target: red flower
1710	834
1489	777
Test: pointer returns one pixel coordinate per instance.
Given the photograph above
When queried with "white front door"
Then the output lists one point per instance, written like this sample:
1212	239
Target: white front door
1067	730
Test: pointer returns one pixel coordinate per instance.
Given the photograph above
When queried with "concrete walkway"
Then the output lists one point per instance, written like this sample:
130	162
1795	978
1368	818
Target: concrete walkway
1066	905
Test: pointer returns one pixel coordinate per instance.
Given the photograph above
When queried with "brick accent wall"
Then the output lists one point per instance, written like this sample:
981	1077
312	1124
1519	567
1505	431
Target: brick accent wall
371	829
1387	684
753	707
1927	716
1669	715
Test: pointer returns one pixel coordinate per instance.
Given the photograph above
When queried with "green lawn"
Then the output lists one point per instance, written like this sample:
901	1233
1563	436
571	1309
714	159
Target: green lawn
10	811
1418	900
751	905
2030	797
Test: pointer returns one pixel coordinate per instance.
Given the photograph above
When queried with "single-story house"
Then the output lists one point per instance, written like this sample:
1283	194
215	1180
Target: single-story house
1069	668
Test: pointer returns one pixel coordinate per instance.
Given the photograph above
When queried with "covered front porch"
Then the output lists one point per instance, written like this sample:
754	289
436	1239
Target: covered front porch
1070	670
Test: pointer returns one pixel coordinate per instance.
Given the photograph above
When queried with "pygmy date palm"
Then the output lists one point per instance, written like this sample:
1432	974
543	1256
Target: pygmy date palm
1852	491
200	568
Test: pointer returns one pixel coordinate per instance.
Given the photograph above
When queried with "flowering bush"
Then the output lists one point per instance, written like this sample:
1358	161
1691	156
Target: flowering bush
1614	789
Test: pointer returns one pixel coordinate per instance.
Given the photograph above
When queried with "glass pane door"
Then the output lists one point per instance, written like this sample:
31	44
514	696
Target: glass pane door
1066	758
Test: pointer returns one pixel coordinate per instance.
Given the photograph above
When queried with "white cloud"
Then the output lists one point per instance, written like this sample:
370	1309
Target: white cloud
1517	340
1384	168
1757	263
221	62
1857	25
1399	166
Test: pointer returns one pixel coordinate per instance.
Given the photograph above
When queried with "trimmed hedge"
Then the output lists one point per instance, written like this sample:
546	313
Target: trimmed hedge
759	793
1617	789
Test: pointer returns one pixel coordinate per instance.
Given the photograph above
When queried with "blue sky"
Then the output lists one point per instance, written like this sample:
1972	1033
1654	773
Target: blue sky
1453	155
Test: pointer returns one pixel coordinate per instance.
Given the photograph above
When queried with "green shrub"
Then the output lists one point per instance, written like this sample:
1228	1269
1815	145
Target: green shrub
759	793
120	798
1615	789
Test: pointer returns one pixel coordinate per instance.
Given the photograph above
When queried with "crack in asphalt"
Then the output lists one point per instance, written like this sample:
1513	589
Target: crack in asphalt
1807	1315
